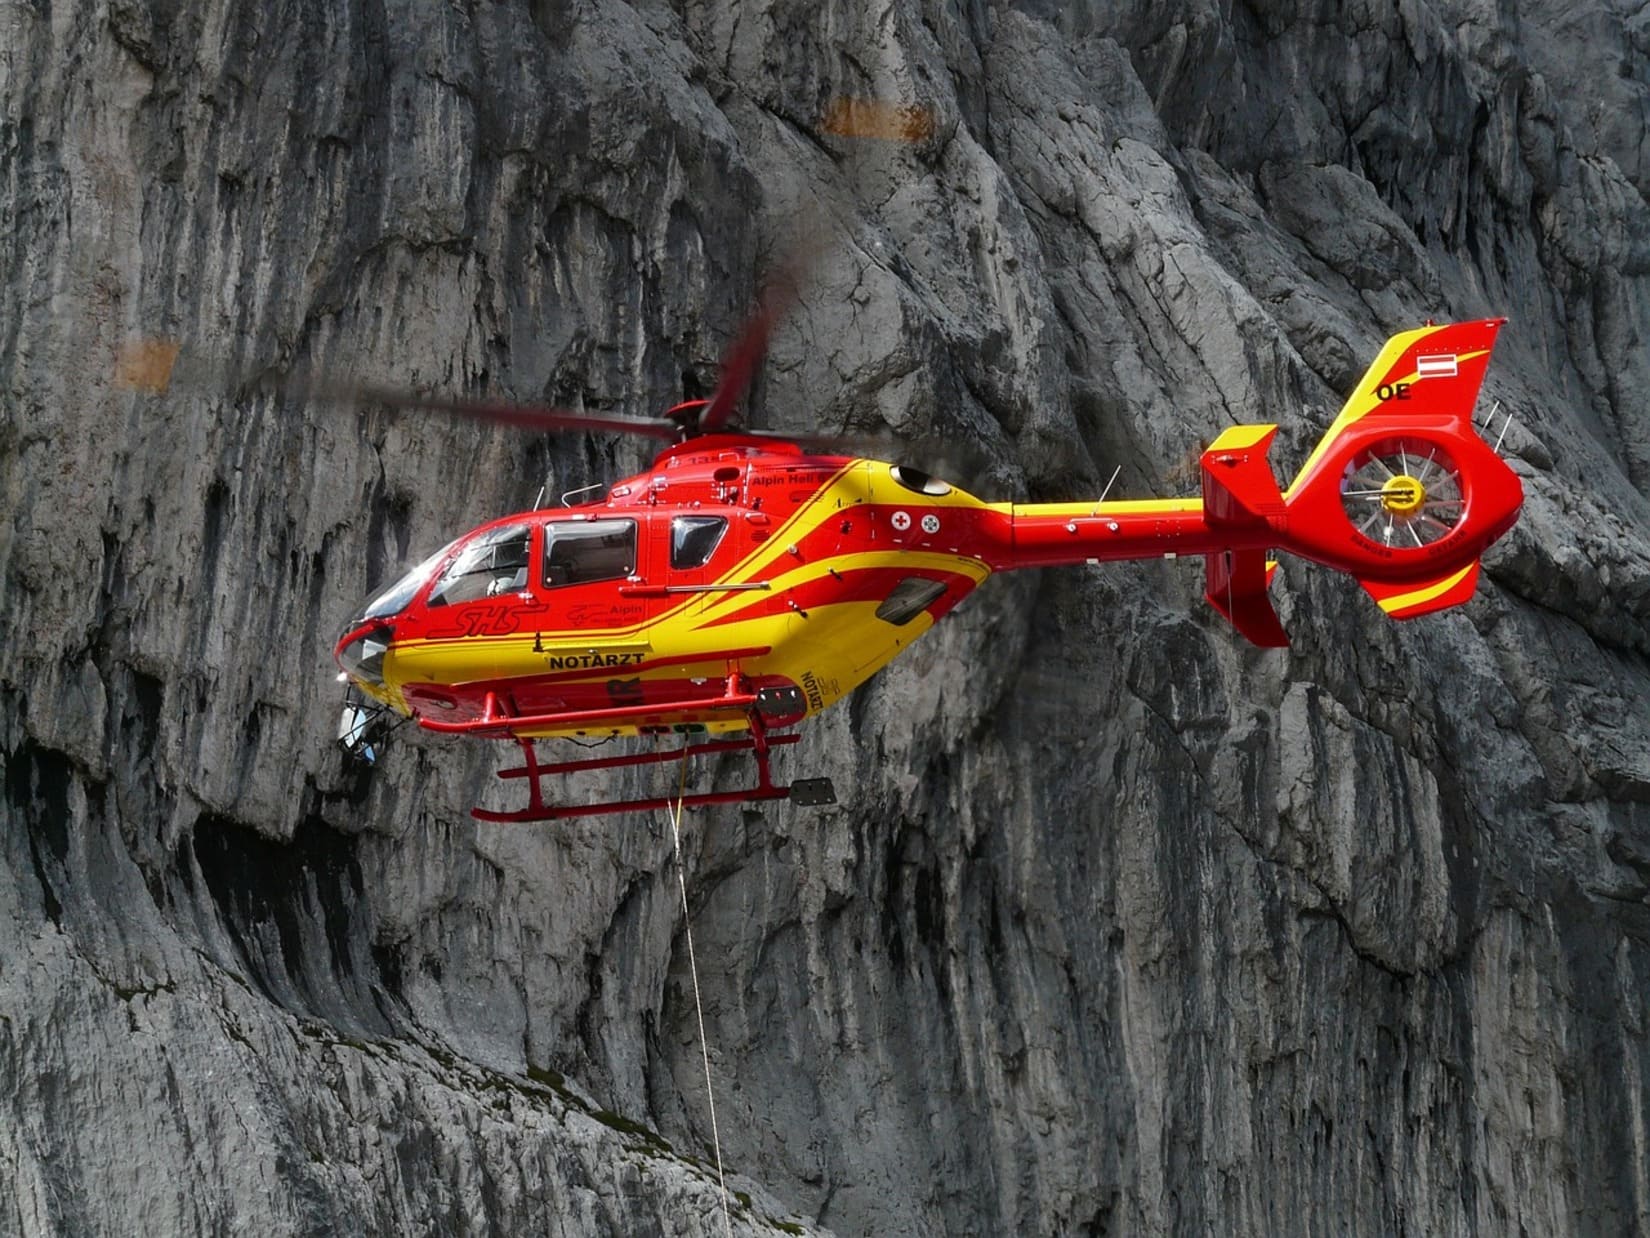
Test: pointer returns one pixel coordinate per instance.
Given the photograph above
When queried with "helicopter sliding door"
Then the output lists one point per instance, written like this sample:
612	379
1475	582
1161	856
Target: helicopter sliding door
698	633
591	576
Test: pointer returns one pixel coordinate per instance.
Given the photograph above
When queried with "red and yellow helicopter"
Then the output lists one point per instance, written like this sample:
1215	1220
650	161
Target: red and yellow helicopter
748	579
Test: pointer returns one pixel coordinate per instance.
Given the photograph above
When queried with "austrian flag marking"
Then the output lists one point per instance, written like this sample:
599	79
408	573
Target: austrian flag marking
1436	367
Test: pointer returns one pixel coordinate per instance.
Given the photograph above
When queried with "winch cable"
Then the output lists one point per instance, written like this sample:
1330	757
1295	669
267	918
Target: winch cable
698	1003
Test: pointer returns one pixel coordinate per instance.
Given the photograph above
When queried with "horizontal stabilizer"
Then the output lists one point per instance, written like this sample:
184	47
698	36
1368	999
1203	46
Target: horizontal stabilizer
1239	487
1237	581
1410	599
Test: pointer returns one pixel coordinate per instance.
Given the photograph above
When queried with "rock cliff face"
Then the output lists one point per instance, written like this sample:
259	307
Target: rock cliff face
1122	926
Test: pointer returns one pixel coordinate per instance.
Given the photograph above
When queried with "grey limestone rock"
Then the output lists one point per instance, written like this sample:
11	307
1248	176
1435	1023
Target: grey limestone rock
1121	926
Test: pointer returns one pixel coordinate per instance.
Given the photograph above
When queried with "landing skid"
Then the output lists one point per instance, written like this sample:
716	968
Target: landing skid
805	791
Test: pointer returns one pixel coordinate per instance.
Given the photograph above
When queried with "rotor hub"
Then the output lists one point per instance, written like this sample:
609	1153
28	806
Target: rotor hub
1406	493
1403	495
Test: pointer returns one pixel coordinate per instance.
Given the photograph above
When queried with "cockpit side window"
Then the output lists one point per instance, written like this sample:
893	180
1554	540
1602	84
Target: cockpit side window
492	563
577	552
693	539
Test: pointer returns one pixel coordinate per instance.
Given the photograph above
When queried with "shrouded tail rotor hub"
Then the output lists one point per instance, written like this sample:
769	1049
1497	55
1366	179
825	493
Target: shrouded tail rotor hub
1403	495
1404	492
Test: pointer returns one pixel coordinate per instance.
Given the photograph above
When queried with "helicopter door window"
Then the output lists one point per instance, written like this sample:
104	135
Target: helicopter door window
579	552
693	539
495	562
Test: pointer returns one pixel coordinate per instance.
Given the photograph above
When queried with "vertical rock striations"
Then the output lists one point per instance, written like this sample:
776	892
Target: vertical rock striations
1122	927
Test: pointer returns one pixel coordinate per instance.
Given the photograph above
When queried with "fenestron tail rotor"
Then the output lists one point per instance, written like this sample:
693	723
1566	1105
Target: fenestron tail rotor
1403	493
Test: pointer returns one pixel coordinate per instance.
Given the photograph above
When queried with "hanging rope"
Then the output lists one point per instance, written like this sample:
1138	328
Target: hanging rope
698	1004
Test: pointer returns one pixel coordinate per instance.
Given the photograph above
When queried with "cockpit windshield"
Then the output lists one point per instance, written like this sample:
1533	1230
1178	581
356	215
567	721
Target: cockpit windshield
394	599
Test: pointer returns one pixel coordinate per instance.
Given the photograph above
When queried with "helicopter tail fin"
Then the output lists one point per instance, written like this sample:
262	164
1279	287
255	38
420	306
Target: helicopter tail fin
1400	493
1430	376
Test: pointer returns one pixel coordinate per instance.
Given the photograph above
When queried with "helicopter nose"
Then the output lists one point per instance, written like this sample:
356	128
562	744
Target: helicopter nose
361	651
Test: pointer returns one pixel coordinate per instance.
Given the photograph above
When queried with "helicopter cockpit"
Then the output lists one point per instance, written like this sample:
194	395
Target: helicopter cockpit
487	564
525	561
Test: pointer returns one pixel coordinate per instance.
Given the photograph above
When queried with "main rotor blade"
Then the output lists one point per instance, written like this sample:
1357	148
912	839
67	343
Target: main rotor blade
499	412
740	364
155	366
